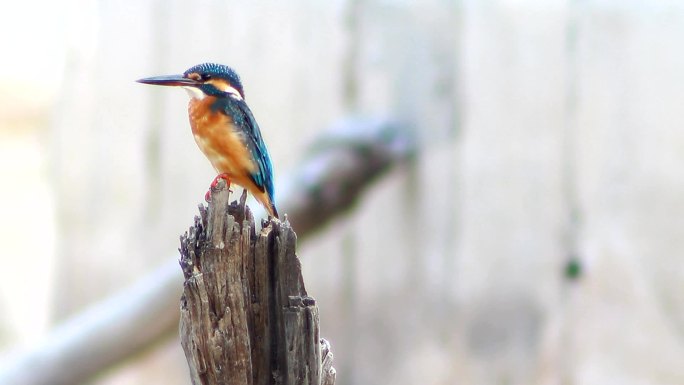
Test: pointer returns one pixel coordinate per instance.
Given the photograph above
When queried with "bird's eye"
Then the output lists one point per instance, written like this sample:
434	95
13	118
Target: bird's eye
205	77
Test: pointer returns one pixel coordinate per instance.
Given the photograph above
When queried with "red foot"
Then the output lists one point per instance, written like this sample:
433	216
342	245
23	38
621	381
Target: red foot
214	183
223	176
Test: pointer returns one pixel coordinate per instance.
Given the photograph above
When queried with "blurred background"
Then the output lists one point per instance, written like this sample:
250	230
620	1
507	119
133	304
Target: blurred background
536	238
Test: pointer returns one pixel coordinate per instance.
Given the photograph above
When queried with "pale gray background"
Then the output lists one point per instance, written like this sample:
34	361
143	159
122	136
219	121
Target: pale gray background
547	130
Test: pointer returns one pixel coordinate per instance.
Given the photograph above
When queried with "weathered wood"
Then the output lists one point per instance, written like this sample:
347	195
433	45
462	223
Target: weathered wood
327	371
245	315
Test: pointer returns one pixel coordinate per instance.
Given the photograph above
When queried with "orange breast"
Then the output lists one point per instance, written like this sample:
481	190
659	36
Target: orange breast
221	143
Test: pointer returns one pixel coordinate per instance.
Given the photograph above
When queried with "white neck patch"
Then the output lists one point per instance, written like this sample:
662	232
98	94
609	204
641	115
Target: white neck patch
233	92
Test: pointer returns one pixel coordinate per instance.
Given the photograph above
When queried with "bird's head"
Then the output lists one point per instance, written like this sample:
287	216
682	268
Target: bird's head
206	79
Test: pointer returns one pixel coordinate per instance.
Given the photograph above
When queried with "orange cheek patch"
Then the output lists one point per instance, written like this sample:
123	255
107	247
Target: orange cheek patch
224	86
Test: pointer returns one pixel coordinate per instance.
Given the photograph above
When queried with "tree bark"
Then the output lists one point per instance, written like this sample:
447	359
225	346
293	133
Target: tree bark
245	315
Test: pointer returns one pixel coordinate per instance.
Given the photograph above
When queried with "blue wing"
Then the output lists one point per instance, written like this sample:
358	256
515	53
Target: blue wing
244	121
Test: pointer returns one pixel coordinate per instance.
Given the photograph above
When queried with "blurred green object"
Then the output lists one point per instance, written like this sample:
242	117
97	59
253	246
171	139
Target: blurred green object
573	268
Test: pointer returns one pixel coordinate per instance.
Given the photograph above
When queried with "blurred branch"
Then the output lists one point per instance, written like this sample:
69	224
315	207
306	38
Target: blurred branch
344	161
332	177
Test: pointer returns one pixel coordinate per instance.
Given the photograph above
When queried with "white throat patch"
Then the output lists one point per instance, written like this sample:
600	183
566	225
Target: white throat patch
195	92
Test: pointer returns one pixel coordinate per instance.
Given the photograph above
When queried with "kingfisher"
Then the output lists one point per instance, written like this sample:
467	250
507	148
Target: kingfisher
224	128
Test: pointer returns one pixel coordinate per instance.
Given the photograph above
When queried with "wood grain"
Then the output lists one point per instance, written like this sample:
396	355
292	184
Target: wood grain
246	317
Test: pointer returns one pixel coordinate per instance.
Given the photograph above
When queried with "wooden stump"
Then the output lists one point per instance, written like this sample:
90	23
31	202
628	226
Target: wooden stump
245	314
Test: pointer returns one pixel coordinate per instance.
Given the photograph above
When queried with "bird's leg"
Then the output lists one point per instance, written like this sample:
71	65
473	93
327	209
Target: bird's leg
214	183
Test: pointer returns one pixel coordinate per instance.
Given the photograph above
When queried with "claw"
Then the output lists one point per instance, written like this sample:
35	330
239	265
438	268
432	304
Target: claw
214	183
223	176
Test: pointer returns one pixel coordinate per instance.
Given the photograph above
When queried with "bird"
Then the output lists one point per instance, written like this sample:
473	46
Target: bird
225	129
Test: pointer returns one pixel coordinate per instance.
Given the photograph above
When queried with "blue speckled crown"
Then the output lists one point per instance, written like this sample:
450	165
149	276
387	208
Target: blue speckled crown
219	71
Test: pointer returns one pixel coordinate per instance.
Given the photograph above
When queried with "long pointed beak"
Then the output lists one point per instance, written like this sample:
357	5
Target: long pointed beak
169	80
